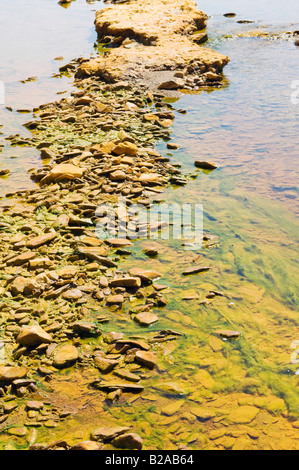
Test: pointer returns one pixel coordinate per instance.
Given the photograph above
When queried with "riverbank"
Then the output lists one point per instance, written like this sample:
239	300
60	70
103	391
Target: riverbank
61	282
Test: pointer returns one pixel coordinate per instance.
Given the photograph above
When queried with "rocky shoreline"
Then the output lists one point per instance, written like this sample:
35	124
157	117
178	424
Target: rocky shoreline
59	280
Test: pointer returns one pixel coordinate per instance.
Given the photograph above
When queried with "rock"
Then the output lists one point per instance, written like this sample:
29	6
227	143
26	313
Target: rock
64	171
4	172
118	175
133	282
41	240
200	38
128	441
126	375
72	294
66	356
146	358
202	413
18	285
85	328
67	272
108	432
34	405
127	148
105	365
146	318
243	414
118	242
87	445
133	344
228	333
149	178
22	259
173	146
32	336
19	432
10	373
195	270
205	165
40	263
297	43
115	299
145	274
172	84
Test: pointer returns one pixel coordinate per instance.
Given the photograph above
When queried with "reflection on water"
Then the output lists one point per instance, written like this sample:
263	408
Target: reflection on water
209	392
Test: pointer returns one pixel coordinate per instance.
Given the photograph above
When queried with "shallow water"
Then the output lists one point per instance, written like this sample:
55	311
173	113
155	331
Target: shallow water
249	129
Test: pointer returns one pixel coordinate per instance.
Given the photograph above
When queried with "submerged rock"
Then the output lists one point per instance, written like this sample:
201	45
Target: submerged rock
128	441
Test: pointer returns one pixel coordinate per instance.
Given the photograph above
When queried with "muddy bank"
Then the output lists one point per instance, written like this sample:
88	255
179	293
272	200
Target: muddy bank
156	44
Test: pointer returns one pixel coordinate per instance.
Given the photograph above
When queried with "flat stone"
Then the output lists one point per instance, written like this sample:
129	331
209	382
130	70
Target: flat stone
41	240
118	175
19	432
22	259
172	84
195	270
67	272
87	445
115	299
202	413
243	414
145	274
105	365
10	373
134	282
228	333
128	441
205	165
146	318
34	405
149	178
108	432
33	336
72	294
66	356
146	358
64	171
118	242
124	374
127	148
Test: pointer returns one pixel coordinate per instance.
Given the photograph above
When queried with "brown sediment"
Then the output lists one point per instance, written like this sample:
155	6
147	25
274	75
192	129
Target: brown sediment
154	42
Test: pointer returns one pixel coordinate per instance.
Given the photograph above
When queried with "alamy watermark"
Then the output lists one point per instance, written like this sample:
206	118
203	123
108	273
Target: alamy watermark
158	221
295	92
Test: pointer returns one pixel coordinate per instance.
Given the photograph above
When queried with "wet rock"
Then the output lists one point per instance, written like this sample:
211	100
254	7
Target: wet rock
115	299
32	336
10	373
229	334
243	414
19	432
297	43
145	274
105	365
203	414
205	165
66	356
133	282
126	375
150	178
146	318
108	432
87	445
195	270
172	84
118	242
146	358
128	441
64	171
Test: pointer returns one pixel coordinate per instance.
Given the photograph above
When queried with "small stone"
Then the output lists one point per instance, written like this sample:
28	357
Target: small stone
145	274
65	356
41	240
64	171
228	333
202	413
19	432
172	84
87	445
34	405
72	294
195	270
108	432
127	148
128	441
105	365
33	336
134	282
67	272
119	242
115	299
118	175
205	165
146	358
243	414
146	318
